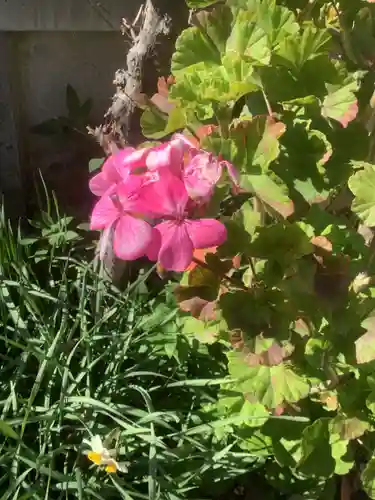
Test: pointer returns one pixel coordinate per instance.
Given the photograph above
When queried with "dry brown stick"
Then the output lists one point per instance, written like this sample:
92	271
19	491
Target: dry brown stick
129	83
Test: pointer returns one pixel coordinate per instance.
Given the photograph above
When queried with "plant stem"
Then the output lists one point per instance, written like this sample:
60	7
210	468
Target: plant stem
268	104
345	36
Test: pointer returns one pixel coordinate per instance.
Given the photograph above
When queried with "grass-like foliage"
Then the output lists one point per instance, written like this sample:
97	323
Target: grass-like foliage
79	358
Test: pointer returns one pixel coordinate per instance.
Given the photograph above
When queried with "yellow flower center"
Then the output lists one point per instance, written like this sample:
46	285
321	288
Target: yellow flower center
111	468
96	458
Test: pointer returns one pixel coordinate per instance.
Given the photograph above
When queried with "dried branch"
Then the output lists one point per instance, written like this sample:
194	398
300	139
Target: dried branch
118	119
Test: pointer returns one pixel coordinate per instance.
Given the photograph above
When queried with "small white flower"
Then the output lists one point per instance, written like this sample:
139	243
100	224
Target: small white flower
100	455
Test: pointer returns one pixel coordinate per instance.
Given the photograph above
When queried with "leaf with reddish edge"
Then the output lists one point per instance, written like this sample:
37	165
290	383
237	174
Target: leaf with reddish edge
194	306
348	427
256	142
200	254
365	345
341	104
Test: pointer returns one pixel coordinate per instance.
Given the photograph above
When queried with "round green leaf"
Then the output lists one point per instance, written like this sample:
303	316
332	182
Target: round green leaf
368	478
269	385
362	185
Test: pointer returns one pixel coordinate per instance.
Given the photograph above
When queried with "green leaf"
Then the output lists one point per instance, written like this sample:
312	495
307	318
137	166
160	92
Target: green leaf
203	88
200	4
269	385
153	124
248	40
270	192
193	47
341	103
341	454
216	24
95	164
286	440
250	218
206	332
348	427
239	74
295	50
7	431
362	185
232	403
368	478
365	344
255	143
317	457
284	242
277	21
156	125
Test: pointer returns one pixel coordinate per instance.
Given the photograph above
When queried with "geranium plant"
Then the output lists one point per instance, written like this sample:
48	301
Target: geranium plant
263	196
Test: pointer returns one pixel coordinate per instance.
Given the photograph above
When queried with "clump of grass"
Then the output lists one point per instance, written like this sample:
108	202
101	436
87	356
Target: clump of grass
79	358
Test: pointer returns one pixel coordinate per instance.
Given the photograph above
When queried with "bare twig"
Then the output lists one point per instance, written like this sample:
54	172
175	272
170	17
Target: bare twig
128	81
124	101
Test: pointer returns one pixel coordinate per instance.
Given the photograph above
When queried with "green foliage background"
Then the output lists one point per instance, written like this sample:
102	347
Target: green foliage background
287	87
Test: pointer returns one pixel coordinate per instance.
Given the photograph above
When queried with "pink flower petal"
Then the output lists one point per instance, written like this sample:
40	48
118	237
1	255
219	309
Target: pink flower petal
132	196
152	252
132	238
176	250
168	155
114	170
104	213
205	233
136	159
201	175
99	184
167	197
183	142
119	167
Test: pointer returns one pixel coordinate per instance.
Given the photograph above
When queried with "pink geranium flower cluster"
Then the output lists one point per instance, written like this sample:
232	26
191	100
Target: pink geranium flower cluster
149	199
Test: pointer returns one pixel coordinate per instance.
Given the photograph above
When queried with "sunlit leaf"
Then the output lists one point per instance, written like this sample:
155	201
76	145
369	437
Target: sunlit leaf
341	104
270	192
362	185
348	427
195	4
368	478
216	24
270	385
156	125
193	47
295	50
7	431
248	40
365	345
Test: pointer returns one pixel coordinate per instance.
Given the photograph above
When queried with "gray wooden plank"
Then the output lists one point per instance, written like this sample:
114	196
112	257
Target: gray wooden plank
10	171
65	15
